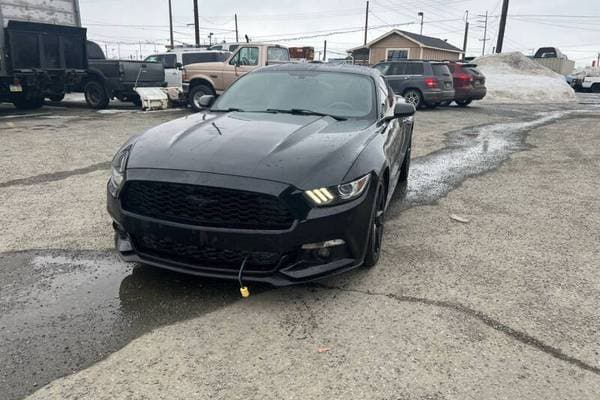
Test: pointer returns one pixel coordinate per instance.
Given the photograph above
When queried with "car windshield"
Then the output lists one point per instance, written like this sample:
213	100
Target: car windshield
343	95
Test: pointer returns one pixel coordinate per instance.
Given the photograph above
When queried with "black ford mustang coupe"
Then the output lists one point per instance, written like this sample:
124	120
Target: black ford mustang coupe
285	177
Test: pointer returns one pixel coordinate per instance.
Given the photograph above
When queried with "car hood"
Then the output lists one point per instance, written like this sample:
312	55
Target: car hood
295	149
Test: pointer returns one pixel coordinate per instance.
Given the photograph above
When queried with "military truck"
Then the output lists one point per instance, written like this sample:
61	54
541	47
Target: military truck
42	50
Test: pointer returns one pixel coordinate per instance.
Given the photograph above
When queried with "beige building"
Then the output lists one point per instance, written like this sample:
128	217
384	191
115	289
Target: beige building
398	45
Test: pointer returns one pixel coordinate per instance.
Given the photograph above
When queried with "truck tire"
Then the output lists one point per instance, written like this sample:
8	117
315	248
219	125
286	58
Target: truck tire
196	92
95	95
32	103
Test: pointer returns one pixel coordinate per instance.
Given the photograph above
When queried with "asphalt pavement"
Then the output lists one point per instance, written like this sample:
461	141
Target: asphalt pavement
487	288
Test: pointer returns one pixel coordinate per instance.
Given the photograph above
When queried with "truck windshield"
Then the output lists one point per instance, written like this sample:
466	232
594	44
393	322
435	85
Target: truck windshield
342	95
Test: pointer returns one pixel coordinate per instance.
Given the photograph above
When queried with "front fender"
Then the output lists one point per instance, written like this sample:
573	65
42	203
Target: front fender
371	160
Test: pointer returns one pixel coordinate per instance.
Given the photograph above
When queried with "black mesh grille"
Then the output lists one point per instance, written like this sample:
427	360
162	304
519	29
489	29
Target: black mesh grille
208	257
206	206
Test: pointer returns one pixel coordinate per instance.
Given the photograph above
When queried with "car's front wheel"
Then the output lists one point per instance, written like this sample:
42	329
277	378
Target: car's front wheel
376	228
196	92
95	95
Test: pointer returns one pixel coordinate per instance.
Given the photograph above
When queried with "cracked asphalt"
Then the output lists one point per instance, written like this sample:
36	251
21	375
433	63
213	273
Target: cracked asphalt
504	306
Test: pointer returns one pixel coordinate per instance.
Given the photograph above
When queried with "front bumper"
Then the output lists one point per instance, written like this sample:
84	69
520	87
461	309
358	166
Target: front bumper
349	222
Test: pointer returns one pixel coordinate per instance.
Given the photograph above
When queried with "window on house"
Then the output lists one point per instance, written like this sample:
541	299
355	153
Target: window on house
396	54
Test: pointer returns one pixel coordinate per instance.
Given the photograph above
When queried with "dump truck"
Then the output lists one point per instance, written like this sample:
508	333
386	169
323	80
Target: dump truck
42	50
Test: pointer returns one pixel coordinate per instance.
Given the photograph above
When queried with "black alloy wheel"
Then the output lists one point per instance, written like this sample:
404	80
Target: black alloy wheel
376	228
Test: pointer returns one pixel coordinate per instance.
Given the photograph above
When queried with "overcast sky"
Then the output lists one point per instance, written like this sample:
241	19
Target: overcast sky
119	25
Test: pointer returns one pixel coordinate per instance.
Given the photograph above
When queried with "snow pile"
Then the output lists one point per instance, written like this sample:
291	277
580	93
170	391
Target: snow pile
514	78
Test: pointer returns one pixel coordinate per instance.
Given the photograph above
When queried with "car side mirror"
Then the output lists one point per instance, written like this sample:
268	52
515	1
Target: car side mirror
403	110
178	65
237	63
206	101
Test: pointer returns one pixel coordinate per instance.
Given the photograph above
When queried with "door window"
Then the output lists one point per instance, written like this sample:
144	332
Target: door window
278	54
245	56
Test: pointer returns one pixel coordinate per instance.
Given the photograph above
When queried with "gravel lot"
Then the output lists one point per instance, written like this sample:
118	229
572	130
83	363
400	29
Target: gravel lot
504	306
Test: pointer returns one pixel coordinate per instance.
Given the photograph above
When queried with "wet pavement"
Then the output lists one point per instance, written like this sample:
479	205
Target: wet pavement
63	309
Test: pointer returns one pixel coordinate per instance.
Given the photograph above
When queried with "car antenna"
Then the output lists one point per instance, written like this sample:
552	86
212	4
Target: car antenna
245	292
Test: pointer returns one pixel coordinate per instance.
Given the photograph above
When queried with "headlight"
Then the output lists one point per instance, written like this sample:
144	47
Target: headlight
338	194
117	170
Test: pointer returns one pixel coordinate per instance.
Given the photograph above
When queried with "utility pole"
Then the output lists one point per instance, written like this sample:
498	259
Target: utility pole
466	34
324	50
366	23
171	24
502	27
236	30
106	49
422	15
141	57
196	24
485	38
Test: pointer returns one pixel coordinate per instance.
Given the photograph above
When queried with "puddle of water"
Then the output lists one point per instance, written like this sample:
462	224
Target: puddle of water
74	308
470	152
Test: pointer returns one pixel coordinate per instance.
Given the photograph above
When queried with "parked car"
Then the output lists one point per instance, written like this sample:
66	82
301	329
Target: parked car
42	51
108	79
177	58
421	83
285	179
469	83
213	78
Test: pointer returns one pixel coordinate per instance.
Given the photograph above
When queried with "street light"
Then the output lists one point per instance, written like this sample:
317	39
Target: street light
422	15
210	35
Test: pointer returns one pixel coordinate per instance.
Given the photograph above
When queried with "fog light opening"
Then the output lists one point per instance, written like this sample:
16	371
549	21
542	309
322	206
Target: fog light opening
323	245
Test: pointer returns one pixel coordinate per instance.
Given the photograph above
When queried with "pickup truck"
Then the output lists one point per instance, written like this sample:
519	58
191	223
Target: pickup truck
108	79
214	77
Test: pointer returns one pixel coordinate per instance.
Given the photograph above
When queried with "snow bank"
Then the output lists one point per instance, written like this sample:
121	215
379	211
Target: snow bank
514	78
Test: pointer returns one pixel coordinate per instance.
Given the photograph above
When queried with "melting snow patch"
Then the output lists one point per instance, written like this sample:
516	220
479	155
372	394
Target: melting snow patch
514	78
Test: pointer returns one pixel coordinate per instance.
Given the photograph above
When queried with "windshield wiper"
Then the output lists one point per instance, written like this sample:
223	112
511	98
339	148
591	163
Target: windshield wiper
230	109
302	111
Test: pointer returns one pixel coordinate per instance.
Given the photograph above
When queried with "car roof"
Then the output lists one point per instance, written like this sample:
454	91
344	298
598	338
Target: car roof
323	67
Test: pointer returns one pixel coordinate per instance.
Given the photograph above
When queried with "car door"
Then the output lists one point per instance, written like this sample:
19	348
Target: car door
172	73
243	61
393	131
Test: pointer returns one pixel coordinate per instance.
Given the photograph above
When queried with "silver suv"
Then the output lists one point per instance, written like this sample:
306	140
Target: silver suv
421	83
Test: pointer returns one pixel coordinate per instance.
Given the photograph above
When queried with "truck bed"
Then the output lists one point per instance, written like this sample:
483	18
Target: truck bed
130	71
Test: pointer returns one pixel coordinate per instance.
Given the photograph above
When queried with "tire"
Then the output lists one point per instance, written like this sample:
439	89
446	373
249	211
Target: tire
376	228
463	103
405	168
24	103
137	101
414	97
596	88
95	95
57	97
196	92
